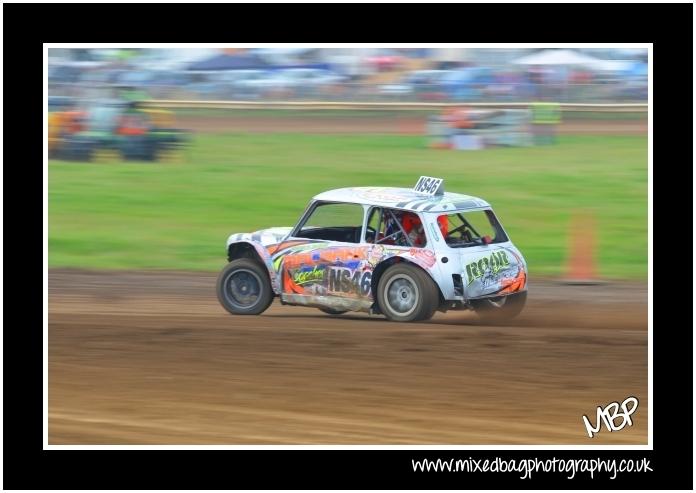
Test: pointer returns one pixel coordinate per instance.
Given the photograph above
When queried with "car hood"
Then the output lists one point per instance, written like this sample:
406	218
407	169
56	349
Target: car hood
269	236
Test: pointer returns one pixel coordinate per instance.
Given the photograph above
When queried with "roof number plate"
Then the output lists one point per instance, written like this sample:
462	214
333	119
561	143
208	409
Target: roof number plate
430	186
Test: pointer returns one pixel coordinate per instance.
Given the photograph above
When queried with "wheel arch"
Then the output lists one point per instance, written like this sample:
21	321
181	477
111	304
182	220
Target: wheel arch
255	251
382	268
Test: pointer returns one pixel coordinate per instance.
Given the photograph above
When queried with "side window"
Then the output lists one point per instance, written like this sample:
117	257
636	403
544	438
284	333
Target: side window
334	222
473	228
395	227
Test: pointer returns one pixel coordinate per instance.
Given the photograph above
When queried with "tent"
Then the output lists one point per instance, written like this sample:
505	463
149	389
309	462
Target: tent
557	57
638	69
173	59
247	62
618	66
230	62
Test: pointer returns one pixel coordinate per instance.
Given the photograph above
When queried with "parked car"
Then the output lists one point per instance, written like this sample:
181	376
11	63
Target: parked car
467	84
404	253
420	81
63	74
123	131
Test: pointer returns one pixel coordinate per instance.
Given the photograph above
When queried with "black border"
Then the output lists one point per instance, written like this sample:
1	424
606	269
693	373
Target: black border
27	26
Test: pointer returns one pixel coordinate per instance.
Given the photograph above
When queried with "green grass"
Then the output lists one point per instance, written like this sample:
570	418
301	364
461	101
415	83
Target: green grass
178	216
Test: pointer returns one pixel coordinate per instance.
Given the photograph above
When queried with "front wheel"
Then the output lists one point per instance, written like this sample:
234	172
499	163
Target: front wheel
243	288
501	307
406	293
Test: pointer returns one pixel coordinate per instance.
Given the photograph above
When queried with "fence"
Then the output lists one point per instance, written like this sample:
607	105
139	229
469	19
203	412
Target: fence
576	93
368	105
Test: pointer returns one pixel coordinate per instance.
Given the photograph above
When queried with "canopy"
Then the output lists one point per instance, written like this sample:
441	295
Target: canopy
613	65
557	57
174	59
639	69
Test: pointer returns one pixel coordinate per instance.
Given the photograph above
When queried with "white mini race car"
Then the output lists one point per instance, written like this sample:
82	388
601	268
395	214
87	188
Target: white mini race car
404	253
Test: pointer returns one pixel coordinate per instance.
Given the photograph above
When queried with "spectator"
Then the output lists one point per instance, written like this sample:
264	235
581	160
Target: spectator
545	117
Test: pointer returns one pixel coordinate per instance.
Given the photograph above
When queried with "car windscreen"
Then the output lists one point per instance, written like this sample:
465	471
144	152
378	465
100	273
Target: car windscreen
471	228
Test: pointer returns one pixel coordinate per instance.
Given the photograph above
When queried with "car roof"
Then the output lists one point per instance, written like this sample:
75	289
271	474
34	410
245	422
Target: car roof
403	198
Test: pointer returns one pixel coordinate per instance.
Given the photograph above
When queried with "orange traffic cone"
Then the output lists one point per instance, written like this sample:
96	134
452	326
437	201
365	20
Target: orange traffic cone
581	268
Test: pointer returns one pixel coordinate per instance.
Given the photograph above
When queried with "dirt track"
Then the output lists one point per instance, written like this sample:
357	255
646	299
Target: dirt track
145	358
396	125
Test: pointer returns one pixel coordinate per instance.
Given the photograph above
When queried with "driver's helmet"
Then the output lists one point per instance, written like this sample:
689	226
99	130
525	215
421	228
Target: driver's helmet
443	222
409	220
413	227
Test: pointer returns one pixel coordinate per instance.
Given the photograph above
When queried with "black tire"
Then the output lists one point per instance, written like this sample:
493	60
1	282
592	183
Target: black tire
243	287
331	311
406	293
500	308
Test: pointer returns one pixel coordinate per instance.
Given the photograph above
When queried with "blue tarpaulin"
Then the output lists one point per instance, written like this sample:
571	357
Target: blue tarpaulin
247	62
230	62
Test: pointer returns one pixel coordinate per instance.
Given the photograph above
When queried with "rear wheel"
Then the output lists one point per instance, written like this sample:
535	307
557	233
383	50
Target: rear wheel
500	307
406	293
243	287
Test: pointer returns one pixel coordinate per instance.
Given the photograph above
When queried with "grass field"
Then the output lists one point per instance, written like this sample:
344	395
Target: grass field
178	215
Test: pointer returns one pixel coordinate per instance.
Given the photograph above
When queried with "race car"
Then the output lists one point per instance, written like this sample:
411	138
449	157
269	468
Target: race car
403	253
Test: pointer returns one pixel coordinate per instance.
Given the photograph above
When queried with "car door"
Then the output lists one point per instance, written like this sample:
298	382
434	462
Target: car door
324	261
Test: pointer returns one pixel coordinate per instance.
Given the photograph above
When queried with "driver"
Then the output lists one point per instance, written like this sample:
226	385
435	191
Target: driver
414	228
411	225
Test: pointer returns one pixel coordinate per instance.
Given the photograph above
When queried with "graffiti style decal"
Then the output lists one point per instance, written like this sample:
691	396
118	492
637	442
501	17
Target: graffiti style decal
318	253
352	282
500	272
422	257
512	285
292	247
374	256
307	275
322	280
272	249
322	269
272	273
261	241
516	283
319	269
494	263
